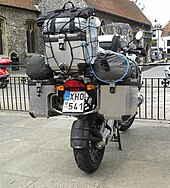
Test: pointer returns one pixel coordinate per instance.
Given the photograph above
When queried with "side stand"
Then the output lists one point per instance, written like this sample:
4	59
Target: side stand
116	136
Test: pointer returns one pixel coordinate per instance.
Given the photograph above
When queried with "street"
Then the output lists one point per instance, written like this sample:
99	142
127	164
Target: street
157	97
36	153
155	72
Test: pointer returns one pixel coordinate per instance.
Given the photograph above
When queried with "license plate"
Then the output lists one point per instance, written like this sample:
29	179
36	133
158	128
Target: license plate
74	101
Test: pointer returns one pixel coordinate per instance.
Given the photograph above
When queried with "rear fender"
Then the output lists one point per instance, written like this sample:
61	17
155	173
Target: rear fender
82	131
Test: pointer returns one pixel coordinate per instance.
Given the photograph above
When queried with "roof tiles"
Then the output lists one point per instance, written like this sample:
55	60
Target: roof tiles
166	30
24	4
122	8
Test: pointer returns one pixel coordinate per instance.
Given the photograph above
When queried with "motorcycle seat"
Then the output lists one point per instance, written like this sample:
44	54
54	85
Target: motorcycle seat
5	61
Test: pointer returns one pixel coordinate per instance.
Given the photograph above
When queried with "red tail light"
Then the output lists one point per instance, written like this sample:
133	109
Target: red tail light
74	85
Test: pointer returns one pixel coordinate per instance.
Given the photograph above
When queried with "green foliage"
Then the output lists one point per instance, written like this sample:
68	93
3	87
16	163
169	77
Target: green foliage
154	42
138	3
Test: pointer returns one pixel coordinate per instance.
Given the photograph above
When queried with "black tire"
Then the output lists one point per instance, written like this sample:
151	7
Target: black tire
125	125
89	158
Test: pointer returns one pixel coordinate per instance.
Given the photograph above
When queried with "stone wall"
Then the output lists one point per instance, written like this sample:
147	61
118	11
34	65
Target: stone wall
45	5
16	30
49	5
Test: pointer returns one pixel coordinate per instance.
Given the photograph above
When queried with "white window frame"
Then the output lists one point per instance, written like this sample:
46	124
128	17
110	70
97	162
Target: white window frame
4	37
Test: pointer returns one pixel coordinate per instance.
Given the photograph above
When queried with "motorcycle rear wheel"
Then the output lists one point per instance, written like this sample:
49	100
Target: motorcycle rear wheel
88	159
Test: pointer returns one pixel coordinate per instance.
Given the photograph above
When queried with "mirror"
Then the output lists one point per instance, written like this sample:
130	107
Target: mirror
139	35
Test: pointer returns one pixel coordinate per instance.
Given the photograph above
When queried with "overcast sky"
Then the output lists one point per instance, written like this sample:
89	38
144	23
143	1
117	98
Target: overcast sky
155	9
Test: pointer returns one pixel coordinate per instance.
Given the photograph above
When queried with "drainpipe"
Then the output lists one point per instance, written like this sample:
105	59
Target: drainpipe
91	3
164	51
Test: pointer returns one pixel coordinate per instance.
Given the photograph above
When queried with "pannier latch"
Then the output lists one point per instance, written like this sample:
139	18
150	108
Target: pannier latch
39	88
61	42
112	88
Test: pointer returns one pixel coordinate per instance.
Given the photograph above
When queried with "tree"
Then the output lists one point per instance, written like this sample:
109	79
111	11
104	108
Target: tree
138	3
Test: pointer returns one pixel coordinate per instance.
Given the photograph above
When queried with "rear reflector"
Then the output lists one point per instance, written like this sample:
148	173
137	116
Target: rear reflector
60	88
90	87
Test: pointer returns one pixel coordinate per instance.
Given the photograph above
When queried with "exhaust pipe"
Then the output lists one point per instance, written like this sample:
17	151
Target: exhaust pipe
140	99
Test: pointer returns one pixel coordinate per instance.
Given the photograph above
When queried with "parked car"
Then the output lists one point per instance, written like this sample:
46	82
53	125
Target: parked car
167	72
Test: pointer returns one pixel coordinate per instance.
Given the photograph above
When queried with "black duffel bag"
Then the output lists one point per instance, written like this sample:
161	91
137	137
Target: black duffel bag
111	67
48	20
37	69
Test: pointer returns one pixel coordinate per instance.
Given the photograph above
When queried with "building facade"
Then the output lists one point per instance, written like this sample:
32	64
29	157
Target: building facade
165	38
19	33
161	40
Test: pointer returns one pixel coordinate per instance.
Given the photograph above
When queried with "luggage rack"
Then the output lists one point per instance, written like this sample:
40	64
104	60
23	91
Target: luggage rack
64	31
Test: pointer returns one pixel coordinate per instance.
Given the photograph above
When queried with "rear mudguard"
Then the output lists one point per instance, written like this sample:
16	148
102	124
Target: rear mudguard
83	130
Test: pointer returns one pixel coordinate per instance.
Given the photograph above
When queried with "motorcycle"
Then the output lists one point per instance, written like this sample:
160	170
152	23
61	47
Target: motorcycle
167	72
91	87
4	74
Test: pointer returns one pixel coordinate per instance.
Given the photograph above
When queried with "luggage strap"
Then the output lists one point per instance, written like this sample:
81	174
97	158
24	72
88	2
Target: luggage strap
71	22
39	87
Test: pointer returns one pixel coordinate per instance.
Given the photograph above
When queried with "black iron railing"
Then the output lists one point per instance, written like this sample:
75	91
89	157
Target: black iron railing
156	92
15	95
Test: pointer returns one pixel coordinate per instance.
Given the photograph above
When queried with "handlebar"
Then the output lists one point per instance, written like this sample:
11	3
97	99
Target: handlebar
139	52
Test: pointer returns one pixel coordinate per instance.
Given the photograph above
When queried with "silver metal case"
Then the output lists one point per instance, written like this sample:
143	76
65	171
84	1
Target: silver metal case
40	91
65	52
121	103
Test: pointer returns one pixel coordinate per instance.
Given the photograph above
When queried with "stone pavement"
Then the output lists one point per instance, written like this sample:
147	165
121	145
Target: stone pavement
36	153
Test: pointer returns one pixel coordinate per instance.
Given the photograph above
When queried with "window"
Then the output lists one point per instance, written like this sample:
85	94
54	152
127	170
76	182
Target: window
168	42
154	34
101	31
2	36
31	36
169	34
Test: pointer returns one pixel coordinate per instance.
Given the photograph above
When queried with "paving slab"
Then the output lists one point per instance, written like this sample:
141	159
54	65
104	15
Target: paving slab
36	153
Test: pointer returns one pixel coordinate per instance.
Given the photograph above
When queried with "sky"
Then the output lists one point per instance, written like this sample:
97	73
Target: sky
156	10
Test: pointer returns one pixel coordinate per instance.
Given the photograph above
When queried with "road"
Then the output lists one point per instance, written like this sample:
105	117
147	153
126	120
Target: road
156	72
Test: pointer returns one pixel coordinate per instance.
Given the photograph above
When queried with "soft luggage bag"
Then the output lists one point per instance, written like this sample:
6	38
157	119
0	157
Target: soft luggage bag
111	67
64	20
65	32
38	69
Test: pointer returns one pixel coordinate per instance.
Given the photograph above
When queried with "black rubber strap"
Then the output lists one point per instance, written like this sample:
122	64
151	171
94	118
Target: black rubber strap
69	2
72	22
